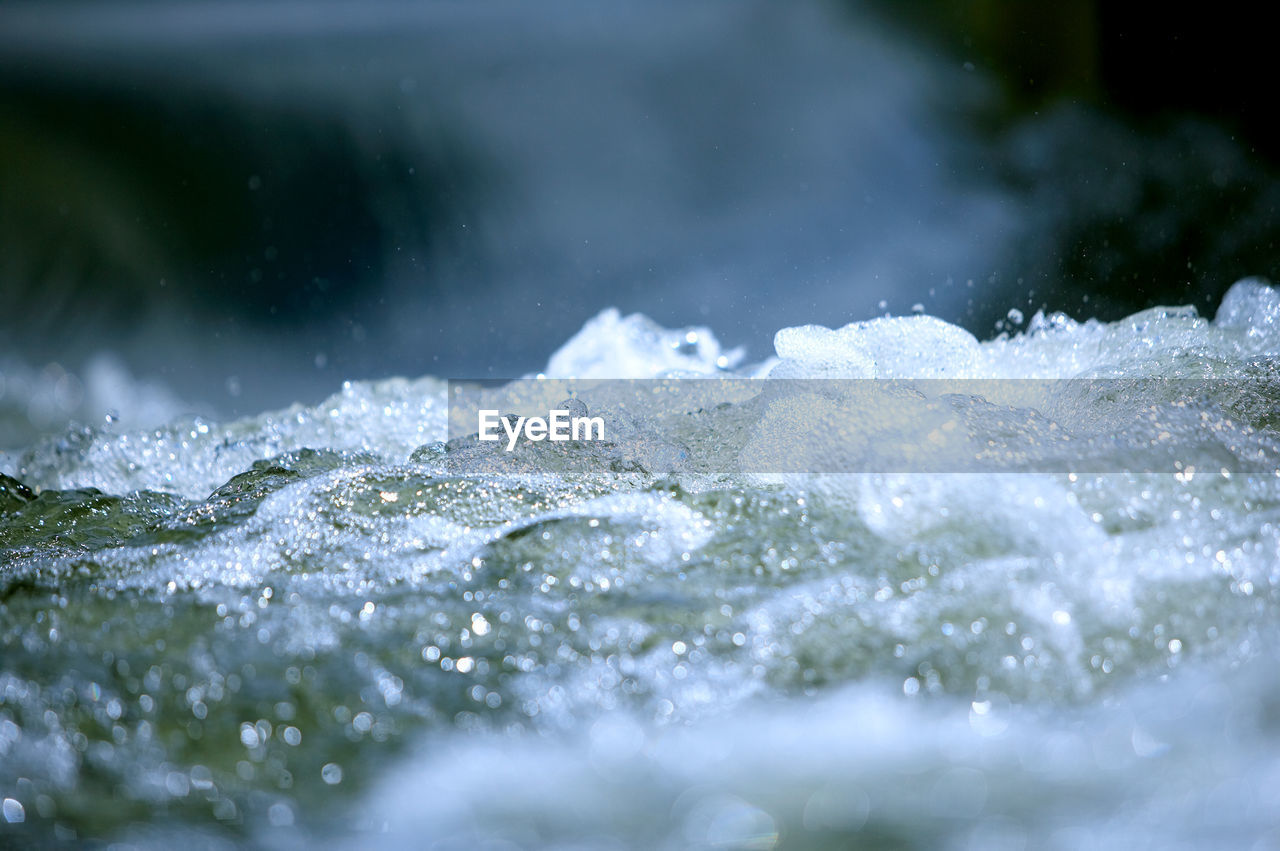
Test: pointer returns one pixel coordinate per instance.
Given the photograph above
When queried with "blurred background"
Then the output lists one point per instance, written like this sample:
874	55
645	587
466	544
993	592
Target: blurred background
229	206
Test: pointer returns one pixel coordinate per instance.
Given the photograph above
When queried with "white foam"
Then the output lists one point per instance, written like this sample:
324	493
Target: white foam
613	346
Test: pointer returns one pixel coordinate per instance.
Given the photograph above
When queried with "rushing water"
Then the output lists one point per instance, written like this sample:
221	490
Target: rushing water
313	625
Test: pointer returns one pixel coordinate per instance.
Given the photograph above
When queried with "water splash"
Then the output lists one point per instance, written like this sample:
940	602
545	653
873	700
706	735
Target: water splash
241	630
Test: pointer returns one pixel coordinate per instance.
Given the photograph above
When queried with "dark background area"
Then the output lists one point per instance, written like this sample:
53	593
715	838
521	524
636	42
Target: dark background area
253	202
1141	134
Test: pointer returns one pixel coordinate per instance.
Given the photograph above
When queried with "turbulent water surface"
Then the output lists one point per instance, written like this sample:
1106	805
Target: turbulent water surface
321	624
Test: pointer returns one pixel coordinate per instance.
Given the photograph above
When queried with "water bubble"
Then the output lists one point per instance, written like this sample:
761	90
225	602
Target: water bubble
575	407
13	811
280	815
